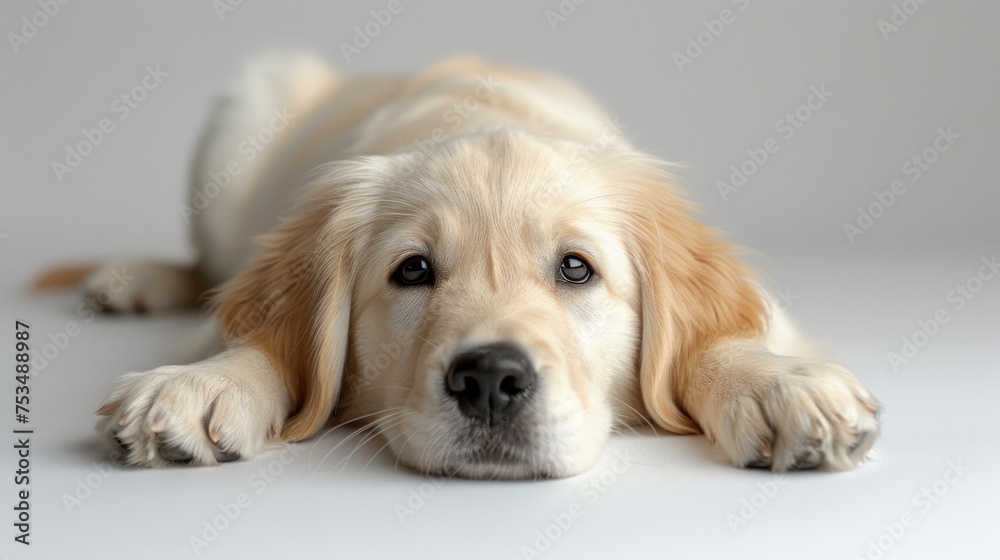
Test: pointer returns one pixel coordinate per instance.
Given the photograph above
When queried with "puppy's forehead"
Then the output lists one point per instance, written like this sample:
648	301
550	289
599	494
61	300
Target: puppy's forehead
508	186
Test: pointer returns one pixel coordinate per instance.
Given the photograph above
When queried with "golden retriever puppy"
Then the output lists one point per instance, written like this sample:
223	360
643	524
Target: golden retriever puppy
475	260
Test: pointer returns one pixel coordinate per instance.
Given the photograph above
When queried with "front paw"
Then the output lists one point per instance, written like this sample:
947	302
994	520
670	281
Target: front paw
193	414
797	414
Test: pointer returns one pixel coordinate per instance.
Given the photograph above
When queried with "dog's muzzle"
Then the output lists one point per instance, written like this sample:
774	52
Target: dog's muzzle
491	383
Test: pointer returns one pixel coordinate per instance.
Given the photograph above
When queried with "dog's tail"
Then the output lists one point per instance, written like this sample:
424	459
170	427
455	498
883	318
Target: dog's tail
64	276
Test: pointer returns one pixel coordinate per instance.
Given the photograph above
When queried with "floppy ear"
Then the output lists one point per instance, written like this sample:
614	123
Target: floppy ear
293	301
694	291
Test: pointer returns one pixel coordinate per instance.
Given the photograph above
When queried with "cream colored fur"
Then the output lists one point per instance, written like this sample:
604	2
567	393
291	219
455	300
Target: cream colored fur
494	173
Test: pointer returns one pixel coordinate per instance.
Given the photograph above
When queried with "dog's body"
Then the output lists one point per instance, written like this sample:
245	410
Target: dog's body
483	267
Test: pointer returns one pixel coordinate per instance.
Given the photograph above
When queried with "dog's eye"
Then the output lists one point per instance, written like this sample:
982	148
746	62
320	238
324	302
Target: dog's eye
574	270
414	270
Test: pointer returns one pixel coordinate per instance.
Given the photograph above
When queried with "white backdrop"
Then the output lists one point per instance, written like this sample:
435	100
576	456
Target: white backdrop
850	145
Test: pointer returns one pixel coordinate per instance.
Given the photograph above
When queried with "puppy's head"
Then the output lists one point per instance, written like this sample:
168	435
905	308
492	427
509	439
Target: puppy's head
495	305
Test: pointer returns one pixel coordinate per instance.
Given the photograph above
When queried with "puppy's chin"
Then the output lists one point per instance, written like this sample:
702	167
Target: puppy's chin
504	469
488	470
538	456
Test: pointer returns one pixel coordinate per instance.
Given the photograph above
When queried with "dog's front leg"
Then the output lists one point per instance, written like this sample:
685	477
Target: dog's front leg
220	409
783	412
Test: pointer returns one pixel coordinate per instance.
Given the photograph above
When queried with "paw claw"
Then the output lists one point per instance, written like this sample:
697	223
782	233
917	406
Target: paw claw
812	414
175	454
763	458
126	447
227	456
187	414
159	422
107	409
215	433
818	433
808	459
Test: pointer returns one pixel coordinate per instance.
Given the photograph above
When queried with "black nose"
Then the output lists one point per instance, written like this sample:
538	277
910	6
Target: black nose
491	382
